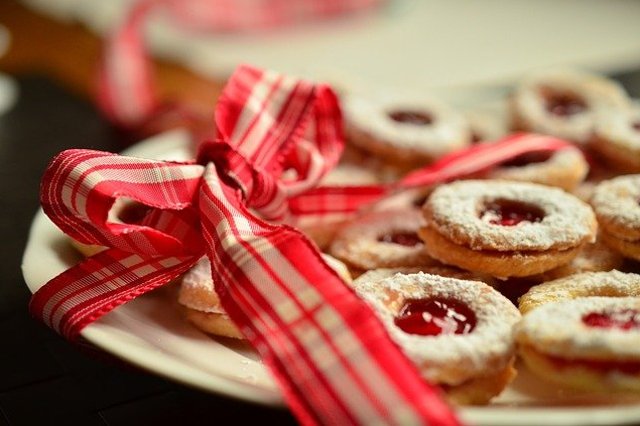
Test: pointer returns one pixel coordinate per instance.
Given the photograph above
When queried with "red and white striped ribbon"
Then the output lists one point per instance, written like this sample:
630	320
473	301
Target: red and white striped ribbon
126	92
331	356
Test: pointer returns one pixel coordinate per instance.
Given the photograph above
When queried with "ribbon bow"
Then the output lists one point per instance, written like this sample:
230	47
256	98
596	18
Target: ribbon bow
329	353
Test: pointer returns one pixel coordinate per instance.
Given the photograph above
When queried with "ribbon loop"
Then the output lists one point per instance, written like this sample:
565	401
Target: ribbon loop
83	186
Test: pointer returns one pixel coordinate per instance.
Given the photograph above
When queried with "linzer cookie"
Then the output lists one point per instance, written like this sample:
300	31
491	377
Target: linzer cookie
384	239
595	257
588	343
505	228
587	284
617	138
440	270
457	332
202	305
406	132
617	205
565	168
564	103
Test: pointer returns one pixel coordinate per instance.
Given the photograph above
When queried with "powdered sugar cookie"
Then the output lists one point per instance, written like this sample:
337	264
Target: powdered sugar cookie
564	103
617	138
616	203
374	275
407	132
565	168
595	257
202	305
384	239
457	332
587	284
588	343
505	228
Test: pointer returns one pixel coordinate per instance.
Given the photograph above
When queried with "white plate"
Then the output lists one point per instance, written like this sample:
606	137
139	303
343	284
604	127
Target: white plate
150	332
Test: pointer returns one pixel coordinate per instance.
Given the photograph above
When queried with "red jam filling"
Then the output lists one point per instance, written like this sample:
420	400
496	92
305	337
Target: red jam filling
416	118
435	316
511	213
624	319
528	158
408	239
564	104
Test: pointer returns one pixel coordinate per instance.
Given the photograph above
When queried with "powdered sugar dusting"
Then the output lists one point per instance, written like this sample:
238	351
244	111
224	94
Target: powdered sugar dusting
450	358
617	203
610	284
616	127
560	160
455	211
441	270
196	290
558	329
358	243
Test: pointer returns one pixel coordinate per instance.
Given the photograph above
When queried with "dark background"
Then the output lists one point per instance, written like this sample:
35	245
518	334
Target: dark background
44	379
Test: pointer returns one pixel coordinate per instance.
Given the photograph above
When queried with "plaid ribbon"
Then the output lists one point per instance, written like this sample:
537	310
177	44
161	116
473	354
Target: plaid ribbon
125	85
331	356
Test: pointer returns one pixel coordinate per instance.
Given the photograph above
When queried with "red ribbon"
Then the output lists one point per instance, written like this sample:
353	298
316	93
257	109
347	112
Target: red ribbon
126	93
331	356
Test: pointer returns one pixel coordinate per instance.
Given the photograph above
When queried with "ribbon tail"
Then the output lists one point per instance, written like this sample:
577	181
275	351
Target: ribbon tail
328	351
125	88
97	285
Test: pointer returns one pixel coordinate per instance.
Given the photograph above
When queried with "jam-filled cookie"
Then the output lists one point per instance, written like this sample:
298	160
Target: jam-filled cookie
458	333
617	139
587	284
564	103
382	239
565	168
616	203
406	132
202	305
440	270
588	343
595	257
505	229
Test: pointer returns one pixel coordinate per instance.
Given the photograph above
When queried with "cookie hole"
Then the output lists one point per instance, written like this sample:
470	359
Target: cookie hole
505	212
636	126
415	118
528	158
624	319
407	239
435	316
563	103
